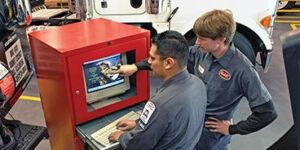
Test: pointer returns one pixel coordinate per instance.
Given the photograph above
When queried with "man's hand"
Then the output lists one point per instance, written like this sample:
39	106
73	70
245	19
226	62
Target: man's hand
220	126
114	137
125	70
126	125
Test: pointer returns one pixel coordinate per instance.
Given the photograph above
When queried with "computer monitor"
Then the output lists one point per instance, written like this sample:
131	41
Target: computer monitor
100	84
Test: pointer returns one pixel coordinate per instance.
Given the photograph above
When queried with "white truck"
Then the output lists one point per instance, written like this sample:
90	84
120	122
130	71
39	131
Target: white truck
254	19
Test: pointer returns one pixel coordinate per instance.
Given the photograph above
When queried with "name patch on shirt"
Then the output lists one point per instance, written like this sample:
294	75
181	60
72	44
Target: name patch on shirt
141	125
201	69
147	112
224	74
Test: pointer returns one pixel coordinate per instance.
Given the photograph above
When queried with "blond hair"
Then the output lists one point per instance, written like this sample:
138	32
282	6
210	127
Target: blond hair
216	24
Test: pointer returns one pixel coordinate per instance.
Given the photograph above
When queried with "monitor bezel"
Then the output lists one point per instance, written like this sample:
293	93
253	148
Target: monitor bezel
106	93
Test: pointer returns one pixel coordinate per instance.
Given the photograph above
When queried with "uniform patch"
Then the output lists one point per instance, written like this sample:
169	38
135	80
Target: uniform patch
147	112
141	125
224	74
201	69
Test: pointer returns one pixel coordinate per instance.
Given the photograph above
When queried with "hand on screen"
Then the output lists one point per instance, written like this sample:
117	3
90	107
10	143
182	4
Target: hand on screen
125	70
126	125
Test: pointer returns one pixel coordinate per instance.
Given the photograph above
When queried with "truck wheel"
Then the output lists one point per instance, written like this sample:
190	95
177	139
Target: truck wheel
285	5
191	41
242	43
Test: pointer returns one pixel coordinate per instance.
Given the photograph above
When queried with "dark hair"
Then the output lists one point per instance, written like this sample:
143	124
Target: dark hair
172	44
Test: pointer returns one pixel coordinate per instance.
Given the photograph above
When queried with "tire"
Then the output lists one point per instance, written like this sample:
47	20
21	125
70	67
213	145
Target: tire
191	41
243	44
285	5
240	42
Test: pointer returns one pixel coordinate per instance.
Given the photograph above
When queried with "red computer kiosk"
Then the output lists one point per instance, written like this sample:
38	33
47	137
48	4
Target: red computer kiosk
72	66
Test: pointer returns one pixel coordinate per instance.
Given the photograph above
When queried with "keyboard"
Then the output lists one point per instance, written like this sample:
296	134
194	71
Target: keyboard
101	136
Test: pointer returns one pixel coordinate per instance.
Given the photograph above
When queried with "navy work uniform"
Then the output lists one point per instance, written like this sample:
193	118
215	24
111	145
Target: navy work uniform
172	119
227	80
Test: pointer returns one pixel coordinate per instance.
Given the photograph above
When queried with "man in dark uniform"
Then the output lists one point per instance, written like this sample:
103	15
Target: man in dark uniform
174	117
228	76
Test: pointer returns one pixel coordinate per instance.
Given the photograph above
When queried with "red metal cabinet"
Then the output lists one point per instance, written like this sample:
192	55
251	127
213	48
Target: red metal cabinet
59	54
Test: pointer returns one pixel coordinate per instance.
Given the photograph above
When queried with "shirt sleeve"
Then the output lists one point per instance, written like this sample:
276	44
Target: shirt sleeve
263	111
145	136
143	65
195	56
253	88
261	116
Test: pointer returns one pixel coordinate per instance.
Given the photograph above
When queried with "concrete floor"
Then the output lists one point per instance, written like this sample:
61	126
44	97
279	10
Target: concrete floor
30	112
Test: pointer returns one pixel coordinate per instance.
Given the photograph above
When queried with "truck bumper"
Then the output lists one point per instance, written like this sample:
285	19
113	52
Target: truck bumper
265	58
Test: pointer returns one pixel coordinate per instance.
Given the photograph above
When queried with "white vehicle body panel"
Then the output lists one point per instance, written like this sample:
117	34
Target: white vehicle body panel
188	12
246	13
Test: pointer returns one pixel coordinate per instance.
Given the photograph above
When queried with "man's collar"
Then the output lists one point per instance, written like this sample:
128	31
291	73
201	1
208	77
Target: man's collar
226	58
175	78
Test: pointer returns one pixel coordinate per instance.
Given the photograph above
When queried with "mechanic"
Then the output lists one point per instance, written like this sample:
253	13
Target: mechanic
229	76
174	117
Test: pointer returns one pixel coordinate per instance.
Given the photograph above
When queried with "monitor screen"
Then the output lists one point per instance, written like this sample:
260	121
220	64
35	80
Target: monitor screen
99	82
97	73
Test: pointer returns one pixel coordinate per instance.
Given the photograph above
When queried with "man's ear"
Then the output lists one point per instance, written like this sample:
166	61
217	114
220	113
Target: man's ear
169	63
222	39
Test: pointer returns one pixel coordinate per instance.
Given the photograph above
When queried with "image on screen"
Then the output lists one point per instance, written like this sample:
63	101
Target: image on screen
97	73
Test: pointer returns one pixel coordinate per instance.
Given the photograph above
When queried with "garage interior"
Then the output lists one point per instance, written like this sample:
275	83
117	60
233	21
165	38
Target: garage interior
28	108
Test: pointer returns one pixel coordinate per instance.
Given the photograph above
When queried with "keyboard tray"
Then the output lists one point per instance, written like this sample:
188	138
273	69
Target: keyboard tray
101	136
87	129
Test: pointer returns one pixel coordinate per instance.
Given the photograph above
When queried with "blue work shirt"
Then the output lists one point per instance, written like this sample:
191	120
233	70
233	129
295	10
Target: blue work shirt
175	119
227	80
